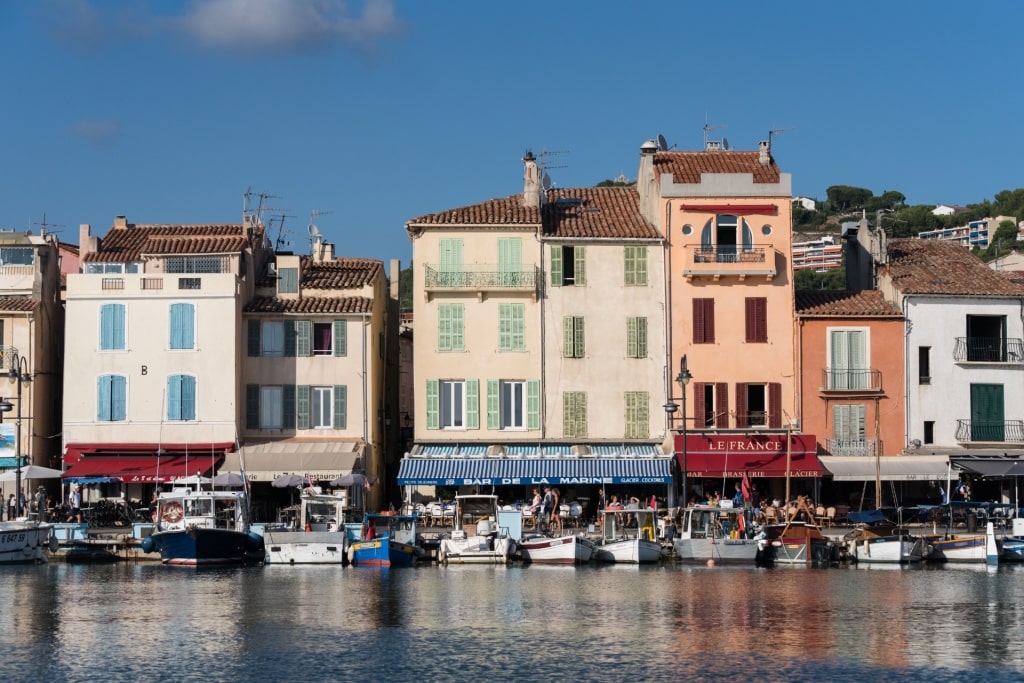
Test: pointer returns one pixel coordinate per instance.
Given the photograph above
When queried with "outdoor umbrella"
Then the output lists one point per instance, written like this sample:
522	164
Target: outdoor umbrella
288	480
189	481
31	472
351	479
229	480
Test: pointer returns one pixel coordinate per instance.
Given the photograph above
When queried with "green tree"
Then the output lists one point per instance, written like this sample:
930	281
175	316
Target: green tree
1003	241
805	279
844	197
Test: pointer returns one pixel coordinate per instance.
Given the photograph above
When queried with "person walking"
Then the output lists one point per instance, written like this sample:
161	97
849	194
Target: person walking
12	509
75	504
556	510
546	505
40	503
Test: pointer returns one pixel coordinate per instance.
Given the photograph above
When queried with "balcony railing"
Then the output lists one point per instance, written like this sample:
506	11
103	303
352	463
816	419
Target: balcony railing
729	259
851	380
1005	431
988	350
865	447
480	278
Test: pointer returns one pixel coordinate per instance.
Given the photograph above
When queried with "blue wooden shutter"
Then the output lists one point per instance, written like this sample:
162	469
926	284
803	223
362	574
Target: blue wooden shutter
103	398
174	397
340	337
340	406
181	326
118	398
188	397
302	406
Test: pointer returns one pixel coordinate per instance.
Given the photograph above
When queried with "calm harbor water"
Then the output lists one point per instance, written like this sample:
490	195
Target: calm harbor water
131	622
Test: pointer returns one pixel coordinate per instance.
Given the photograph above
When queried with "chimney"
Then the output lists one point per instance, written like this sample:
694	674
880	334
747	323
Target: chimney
328	251
86	243
120	223
395	270
531	182
765	157
647	183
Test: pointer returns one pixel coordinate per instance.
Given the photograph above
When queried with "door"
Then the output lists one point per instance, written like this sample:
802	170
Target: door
987	417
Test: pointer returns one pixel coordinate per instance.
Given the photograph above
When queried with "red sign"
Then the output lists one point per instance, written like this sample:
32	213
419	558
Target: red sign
753	455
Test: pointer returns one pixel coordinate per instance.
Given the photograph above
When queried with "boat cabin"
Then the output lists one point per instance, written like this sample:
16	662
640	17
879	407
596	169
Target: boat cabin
712	521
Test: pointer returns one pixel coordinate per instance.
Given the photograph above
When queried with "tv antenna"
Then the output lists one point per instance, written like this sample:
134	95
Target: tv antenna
544	165
776	131
44	225
707	129
255	216
314	232
280	241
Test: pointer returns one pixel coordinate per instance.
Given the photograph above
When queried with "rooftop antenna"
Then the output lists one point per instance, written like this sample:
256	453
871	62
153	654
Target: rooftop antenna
44	225
280	241
776	131
256	215
544	165
708	128
314	232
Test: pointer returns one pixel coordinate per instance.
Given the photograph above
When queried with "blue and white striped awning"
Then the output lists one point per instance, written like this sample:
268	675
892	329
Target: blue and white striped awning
491	471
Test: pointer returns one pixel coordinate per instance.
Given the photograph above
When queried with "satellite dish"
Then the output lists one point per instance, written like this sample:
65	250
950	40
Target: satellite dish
662	143
725	144
313	231
546	182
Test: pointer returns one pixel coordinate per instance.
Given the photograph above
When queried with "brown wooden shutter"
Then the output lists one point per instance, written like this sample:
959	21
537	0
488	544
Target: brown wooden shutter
756	314
722	405
699	406
742	419
709	321
698	321
774	405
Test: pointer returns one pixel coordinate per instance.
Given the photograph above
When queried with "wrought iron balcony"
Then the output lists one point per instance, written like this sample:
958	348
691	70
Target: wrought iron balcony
480	278
988	350
1006	431
705	260
865	447
855	379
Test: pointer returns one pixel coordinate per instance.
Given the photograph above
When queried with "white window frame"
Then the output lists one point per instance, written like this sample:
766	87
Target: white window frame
512	400
451	404
271	407
321	407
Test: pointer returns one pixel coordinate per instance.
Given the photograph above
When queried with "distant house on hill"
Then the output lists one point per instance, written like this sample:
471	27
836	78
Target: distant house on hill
806	203
947	209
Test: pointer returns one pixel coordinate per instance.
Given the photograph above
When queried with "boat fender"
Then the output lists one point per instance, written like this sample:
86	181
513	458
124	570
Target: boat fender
148	545
254	541
351	554
54	543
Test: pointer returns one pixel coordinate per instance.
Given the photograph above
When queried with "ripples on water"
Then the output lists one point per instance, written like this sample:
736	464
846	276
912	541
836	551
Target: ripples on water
279	623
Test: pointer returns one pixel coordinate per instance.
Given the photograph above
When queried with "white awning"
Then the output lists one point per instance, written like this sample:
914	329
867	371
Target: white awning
890	467
318	459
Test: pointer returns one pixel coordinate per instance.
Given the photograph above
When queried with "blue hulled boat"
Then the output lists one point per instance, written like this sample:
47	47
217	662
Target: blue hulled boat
387	541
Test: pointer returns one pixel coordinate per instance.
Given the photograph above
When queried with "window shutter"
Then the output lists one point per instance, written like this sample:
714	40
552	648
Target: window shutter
433	401
288	409
580	257
493	405
581	415
444	327
174	397
859	419
458	328
303	338
703	321
841	422
340	406
505	327
641	337
118	397
556	266
472	404
641	266
181	326
631	338
698	321
858	359
533	404
289	339
252	406
774	405
742	419
756	310
119	328
340	337
188	397
302	406
629	270
700	408
722	405
254	338
519	327
579	348
567	337
103	399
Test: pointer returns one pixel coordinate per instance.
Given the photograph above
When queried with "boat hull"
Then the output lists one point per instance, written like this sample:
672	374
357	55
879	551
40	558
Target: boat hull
721	550
477	550
889	550
959	549
629	551
383	552
203	547
800	544
305	547
1012	550
567	550
24	542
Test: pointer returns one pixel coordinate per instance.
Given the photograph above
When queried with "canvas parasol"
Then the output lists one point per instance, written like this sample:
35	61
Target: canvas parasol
229	480
288	480
31	472
351	479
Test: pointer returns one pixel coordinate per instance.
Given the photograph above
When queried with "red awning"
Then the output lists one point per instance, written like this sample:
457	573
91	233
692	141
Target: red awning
734	209
757	455
141	470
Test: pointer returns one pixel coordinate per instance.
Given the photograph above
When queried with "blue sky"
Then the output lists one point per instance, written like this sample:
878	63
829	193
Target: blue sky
379	111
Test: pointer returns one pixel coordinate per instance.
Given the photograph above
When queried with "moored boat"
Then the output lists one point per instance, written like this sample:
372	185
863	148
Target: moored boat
569	550
199	528
24	542
619	546
801	542
388	540
967	548
316	535
483	537
707	533
886	544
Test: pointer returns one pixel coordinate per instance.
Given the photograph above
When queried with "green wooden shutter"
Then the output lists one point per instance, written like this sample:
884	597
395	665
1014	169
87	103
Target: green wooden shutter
567	337
254	338
288	409
858	363
629	267
340	406
302	406
444	327
472	404
533	404
458	327
579	348
252	406
641	266
505	327
518	327
641	337
840	360
340	337
510	260
580	274
631	338
433	404
556	265
289	339
303	338
987	413
493	405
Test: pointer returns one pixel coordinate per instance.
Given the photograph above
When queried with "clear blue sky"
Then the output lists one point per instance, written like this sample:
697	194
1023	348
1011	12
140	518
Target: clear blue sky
379	111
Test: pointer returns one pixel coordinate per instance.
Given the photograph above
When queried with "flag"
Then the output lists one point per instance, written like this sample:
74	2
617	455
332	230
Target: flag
745	487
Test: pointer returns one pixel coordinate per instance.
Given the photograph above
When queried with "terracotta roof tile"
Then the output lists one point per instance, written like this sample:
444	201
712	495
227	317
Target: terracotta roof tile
311	305
128	244
843	303
687	167
919	266
341	273
17	304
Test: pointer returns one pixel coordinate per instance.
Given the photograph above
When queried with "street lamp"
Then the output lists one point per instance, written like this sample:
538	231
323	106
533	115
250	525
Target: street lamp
18	373
683	378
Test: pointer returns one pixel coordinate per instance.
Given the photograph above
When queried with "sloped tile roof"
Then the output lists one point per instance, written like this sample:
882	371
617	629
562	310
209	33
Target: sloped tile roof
128	244
17	304
919	266
686	167
843	303
341	273
594	212
311	305
1014	276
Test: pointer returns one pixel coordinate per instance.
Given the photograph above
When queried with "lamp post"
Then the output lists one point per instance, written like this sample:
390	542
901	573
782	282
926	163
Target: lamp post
18	373
683	378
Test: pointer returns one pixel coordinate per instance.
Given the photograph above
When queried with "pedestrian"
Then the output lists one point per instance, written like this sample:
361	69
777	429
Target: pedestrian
12	509
40	503
546	505
75	504
556	510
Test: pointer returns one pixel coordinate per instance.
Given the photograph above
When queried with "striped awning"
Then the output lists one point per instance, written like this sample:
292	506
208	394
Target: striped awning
491	471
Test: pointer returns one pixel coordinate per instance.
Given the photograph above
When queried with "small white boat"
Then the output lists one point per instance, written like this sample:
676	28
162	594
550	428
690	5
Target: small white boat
617	545
968	548
482	537
316	535
23	541
571	550
887	544
710	532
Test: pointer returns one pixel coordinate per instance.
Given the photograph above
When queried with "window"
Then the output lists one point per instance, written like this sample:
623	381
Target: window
636	267
322	407
986	338
111	398
848	361
721	238
190	283
759	405
929	431
181	397
451	327
703	321
132	267
271	407
711	405
288	281
757	320
510	261
637	415
451	271
849	429
636	337
112	327
323	333
574	414
924	365
17	256
506	404
572	337
183	326
453	404
511	333
194	264
272	341
568	266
